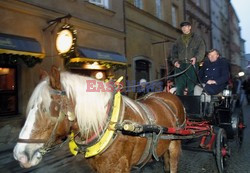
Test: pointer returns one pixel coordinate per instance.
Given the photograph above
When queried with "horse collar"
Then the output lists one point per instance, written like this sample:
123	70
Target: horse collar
107	137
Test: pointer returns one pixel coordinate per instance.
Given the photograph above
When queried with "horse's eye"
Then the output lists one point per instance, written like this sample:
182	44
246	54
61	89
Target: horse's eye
44	110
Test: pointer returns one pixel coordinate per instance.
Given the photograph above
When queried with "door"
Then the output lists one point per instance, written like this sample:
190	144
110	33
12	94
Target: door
8	90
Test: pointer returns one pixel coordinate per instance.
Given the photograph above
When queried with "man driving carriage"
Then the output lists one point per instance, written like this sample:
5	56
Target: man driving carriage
189	47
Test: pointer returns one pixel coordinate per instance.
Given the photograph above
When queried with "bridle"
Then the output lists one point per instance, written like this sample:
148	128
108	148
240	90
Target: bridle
49	143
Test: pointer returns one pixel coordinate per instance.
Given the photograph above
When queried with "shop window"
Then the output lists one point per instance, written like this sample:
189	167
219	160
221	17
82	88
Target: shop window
8	91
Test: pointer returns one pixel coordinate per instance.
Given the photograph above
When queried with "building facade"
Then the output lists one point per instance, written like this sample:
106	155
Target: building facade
197	12
235	54
151	28
28	34
243	56
109	33
220	26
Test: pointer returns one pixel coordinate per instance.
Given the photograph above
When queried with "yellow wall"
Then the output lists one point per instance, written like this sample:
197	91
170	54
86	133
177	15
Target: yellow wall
97	28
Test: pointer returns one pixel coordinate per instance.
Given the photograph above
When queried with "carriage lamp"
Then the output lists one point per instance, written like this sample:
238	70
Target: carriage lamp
99	75
240	74
227	93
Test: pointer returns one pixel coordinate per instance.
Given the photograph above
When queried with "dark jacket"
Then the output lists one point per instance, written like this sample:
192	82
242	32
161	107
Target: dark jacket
195	48
218	71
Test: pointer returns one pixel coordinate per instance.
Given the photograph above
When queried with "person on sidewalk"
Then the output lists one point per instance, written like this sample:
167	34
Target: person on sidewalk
188	48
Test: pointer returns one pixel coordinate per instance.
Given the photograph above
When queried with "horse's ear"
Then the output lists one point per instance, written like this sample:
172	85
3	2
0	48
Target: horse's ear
55	78
43	74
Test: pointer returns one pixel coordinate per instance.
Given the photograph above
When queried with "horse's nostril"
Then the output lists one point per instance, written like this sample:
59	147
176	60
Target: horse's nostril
23	159
38	155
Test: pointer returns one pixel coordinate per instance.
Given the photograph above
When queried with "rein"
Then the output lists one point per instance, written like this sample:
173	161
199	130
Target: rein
30	141
157	80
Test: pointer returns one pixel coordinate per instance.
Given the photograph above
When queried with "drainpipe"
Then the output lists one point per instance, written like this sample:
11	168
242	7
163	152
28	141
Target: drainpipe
210	20
229	33
184	10
125	40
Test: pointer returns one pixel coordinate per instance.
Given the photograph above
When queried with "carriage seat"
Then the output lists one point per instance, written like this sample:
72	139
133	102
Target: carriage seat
193	107
198	91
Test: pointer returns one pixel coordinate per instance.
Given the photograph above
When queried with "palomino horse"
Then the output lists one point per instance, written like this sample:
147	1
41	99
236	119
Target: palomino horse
62	103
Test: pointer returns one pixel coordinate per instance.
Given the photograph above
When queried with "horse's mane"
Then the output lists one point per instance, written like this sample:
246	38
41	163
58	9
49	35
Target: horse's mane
40	95
90	107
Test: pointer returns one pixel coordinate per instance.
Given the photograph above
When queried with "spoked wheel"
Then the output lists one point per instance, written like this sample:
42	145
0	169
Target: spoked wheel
237	122
222	150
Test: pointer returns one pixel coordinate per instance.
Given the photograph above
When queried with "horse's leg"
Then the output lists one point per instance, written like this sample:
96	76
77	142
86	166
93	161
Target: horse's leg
166	161
174	154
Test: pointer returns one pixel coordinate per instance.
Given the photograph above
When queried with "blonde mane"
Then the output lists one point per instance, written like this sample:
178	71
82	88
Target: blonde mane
40	95
90	107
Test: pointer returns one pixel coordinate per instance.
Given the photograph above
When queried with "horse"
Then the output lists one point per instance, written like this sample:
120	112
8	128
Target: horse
69	106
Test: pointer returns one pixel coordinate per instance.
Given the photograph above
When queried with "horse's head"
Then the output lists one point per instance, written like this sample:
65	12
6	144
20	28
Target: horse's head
49	113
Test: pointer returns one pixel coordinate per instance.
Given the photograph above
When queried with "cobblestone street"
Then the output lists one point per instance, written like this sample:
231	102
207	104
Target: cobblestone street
62	161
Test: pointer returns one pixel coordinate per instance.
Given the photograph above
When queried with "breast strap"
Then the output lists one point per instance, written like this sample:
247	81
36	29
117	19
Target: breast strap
149	149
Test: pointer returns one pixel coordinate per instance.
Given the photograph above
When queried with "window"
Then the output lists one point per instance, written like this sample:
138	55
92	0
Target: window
103	3
198	3
138	4
159	9
174	16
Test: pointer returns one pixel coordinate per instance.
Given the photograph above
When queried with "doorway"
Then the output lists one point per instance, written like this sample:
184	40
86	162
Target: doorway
8	90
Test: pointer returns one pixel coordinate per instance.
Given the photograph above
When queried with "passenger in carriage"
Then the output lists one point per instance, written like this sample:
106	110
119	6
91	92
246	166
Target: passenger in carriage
214	74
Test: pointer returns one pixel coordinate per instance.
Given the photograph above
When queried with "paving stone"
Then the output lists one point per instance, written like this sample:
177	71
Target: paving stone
62	161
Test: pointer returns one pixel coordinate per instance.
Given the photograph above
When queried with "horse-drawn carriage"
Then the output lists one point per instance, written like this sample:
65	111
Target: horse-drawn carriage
116	133
222	117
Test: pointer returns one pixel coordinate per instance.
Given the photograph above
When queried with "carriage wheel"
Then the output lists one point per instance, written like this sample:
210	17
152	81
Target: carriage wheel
222	150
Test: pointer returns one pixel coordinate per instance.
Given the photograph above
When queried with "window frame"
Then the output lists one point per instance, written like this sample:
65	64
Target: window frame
103	3
175	16
159	12
138	4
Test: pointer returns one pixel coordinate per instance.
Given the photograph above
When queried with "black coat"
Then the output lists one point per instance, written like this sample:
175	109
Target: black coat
195	48
218	71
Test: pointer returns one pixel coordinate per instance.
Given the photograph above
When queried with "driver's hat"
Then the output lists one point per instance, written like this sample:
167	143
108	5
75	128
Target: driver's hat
185	23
